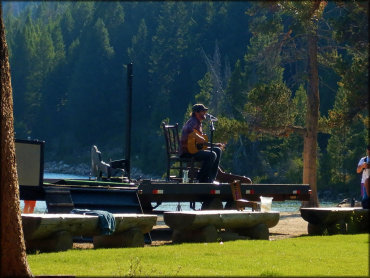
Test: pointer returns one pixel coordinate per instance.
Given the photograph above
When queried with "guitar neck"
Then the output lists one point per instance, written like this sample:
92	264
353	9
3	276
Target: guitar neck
209	144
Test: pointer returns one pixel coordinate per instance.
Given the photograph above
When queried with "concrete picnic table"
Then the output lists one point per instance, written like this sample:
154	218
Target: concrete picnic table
334	220
55	232
214	225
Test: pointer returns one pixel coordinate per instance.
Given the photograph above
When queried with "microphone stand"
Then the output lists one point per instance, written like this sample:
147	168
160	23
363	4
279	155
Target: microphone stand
212	128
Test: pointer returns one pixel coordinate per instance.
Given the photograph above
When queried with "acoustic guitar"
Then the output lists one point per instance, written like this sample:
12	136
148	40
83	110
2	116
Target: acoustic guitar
195	146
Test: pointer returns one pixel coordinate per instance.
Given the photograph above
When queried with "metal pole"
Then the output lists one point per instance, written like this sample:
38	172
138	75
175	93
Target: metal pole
129	119
212	128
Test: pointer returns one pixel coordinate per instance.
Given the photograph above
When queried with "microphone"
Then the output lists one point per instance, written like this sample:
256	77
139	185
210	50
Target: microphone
212	118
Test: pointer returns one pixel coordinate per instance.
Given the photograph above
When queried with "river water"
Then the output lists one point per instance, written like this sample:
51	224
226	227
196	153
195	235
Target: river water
285	206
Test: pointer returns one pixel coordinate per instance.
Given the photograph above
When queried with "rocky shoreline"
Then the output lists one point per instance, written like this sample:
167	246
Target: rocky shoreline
61	167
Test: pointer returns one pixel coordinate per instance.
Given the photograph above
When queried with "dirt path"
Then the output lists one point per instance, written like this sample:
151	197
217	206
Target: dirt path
290	225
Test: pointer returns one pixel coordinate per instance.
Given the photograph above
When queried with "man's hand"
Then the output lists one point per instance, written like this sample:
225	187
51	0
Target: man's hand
200	139
221	145
361	167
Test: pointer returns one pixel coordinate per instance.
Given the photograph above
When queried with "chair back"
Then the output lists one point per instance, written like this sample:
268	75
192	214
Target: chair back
175	163
171	135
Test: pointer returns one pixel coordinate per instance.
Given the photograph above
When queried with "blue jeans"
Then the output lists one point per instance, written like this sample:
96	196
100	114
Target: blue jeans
365	198
210	160
365	203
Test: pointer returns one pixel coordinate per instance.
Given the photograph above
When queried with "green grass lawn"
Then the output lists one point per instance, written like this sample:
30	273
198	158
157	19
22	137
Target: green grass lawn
339	255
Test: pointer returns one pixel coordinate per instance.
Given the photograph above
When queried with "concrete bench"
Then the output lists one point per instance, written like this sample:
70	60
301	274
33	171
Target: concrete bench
336	220
54	232
214	225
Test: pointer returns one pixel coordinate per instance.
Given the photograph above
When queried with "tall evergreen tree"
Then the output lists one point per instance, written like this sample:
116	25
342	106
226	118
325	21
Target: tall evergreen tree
91	85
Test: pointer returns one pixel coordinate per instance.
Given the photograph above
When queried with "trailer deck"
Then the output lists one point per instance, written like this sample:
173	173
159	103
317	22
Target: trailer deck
134	197
161	191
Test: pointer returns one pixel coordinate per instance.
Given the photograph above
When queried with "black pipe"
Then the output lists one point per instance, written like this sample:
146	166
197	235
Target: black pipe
128	119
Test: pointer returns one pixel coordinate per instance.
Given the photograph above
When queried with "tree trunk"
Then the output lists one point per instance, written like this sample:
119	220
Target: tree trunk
312	120
13	259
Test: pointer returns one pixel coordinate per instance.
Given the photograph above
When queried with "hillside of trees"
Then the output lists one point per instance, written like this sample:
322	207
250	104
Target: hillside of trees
247	61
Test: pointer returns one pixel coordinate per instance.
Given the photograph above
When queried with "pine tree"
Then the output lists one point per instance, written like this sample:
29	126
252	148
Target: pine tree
91	85
269	107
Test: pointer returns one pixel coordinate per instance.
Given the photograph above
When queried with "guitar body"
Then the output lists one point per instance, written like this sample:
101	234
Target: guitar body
193	145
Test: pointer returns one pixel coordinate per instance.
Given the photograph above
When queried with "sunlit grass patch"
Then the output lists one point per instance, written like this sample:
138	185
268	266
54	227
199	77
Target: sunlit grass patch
339	255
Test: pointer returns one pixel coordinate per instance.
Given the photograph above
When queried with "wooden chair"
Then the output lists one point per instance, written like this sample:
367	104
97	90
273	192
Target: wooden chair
241	203
174	161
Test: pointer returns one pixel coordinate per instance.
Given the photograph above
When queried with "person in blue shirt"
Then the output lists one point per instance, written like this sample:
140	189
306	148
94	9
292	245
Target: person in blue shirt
364	167
210	159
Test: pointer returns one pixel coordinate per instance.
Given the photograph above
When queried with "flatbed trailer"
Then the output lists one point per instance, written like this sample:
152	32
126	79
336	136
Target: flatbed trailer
161	191
62	195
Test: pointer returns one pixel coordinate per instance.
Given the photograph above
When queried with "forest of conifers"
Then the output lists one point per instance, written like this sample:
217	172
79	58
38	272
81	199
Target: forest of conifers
247	61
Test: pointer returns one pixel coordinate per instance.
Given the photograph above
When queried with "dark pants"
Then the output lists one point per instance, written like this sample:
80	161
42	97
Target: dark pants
210	161
365	203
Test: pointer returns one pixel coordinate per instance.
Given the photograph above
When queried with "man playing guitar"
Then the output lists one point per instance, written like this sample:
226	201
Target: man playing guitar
192	136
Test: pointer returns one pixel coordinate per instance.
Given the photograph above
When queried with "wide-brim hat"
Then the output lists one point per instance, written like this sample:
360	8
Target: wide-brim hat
199	107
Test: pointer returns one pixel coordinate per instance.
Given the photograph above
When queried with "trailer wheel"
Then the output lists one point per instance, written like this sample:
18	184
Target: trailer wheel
214	204
146	206
230	205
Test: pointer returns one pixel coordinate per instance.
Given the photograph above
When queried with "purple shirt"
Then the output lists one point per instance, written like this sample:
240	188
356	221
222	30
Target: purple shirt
190	125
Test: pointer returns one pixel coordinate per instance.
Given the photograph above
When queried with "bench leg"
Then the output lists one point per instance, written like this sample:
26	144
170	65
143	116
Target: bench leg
314	229
129	238
205	234
259	231
60	241
338	227
229	236
358	222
